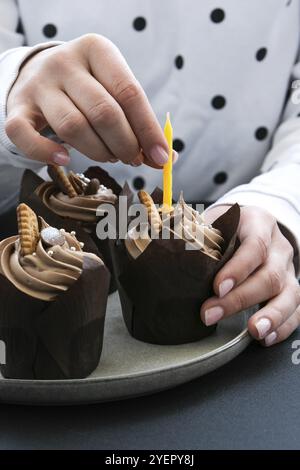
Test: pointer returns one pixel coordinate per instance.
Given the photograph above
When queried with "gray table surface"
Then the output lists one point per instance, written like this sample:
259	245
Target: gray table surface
251	403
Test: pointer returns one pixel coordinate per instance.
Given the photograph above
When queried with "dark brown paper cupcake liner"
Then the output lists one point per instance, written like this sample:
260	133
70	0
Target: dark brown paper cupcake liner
162	291
104	245
55	340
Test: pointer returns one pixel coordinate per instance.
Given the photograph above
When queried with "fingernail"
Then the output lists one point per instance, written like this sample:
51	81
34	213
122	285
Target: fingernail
212	315
271	338
137	161
60	158
263	326
175	157
159	155
225	287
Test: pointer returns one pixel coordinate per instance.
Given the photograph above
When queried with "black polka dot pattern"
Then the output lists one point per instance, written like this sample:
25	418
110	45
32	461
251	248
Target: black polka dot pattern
217	15
50	30
261	133
179	62
288	3
138	183
20	28
261	54
218	102
220	178
178	145
139	23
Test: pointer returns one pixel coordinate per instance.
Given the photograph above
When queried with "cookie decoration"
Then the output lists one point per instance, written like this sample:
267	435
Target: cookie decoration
28	229
153	214
76	182
61	180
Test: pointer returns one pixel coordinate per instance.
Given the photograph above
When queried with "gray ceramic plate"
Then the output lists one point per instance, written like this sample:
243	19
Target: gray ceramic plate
130	368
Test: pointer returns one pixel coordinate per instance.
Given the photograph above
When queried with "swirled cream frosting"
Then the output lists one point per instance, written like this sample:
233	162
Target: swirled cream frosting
183	223
83	207
47	272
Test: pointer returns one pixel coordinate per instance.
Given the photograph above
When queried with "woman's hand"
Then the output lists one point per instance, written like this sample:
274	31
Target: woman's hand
261	271
86	93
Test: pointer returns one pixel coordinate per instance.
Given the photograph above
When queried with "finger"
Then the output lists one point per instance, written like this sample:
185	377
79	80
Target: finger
263	285
276	312
72	127
21	127
149	162
104	115
284	331
138	161
251	254
114	74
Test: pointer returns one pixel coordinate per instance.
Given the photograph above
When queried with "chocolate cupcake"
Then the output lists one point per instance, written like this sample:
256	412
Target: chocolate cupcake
52	311
166	268
76	198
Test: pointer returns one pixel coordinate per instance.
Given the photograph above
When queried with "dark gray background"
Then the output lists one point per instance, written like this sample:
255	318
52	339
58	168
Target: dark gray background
253	402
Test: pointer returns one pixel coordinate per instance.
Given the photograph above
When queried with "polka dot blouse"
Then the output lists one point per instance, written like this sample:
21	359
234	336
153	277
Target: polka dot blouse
226	70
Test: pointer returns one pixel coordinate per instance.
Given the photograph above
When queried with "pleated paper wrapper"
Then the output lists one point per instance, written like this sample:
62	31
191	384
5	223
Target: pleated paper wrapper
162	291
59	339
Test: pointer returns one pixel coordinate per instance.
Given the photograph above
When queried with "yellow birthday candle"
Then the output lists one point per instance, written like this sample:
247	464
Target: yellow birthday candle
168	167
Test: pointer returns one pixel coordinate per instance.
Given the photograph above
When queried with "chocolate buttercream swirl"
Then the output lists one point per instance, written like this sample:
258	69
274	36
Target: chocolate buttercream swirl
47	272
82	208
184	223
189	225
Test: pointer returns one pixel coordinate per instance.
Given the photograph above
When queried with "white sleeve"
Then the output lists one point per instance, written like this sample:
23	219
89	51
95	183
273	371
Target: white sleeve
13	53
277	187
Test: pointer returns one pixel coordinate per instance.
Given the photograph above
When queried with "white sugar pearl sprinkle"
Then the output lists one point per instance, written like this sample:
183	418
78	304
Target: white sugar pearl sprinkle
73	248
73	233
50	253
81	244
62	230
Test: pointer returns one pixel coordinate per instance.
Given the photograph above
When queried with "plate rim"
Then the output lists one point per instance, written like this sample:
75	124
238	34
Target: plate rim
93	380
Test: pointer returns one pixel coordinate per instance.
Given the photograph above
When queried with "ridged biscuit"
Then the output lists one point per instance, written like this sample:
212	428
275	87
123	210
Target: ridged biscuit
76	182
60	178
28	229
153	214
